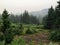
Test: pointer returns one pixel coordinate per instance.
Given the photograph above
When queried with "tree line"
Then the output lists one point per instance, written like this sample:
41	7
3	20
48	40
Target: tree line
52	22
24	18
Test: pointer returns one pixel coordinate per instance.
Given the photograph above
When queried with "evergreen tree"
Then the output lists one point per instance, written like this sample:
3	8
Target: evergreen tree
49	19
34	20
55	34
21	28
5	23
25	17
57	16
21	17
5	29
12	18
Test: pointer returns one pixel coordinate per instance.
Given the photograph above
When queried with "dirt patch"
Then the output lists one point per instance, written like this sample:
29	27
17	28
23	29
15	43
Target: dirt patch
37	38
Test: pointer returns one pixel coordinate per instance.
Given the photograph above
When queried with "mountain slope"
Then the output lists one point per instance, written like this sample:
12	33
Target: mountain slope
40	14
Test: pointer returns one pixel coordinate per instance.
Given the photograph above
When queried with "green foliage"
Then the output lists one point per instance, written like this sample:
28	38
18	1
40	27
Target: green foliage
57	16
31	43
24	18
8	36
5	28
53	18
55	36
1	42
1	37
21	26
29	31
5	21
8	30
51	43
41	43
15	30
49	21
19	41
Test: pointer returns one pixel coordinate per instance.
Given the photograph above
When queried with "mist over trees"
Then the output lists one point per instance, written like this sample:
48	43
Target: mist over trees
24	18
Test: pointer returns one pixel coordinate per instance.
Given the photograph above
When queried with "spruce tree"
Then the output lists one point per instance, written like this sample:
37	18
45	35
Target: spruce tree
57	16
55	34
5	23
26	17
49	19
5	29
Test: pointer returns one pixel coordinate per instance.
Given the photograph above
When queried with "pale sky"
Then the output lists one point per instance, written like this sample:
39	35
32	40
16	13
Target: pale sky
18	6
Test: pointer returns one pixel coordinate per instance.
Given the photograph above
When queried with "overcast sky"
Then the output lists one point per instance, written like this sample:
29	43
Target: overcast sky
18	6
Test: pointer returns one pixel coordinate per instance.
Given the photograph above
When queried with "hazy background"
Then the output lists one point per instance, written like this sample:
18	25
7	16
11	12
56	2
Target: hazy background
18	6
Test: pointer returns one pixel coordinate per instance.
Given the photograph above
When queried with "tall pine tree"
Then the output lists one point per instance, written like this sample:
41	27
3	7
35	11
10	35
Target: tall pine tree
5	23
57	16
49	19
55	34
26	17
5	29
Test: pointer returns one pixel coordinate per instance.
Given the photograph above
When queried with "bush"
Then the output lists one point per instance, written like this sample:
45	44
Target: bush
29	31
19	41
1	37
55	36
8	37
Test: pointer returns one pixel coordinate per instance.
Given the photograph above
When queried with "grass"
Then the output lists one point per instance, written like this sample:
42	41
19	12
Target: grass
1	42
22	40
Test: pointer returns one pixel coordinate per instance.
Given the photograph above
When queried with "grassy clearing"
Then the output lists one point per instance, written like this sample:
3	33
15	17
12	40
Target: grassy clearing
40	37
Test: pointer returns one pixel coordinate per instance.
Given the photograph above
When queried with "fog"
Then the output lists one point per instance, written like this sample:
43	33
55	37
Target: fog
18	6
